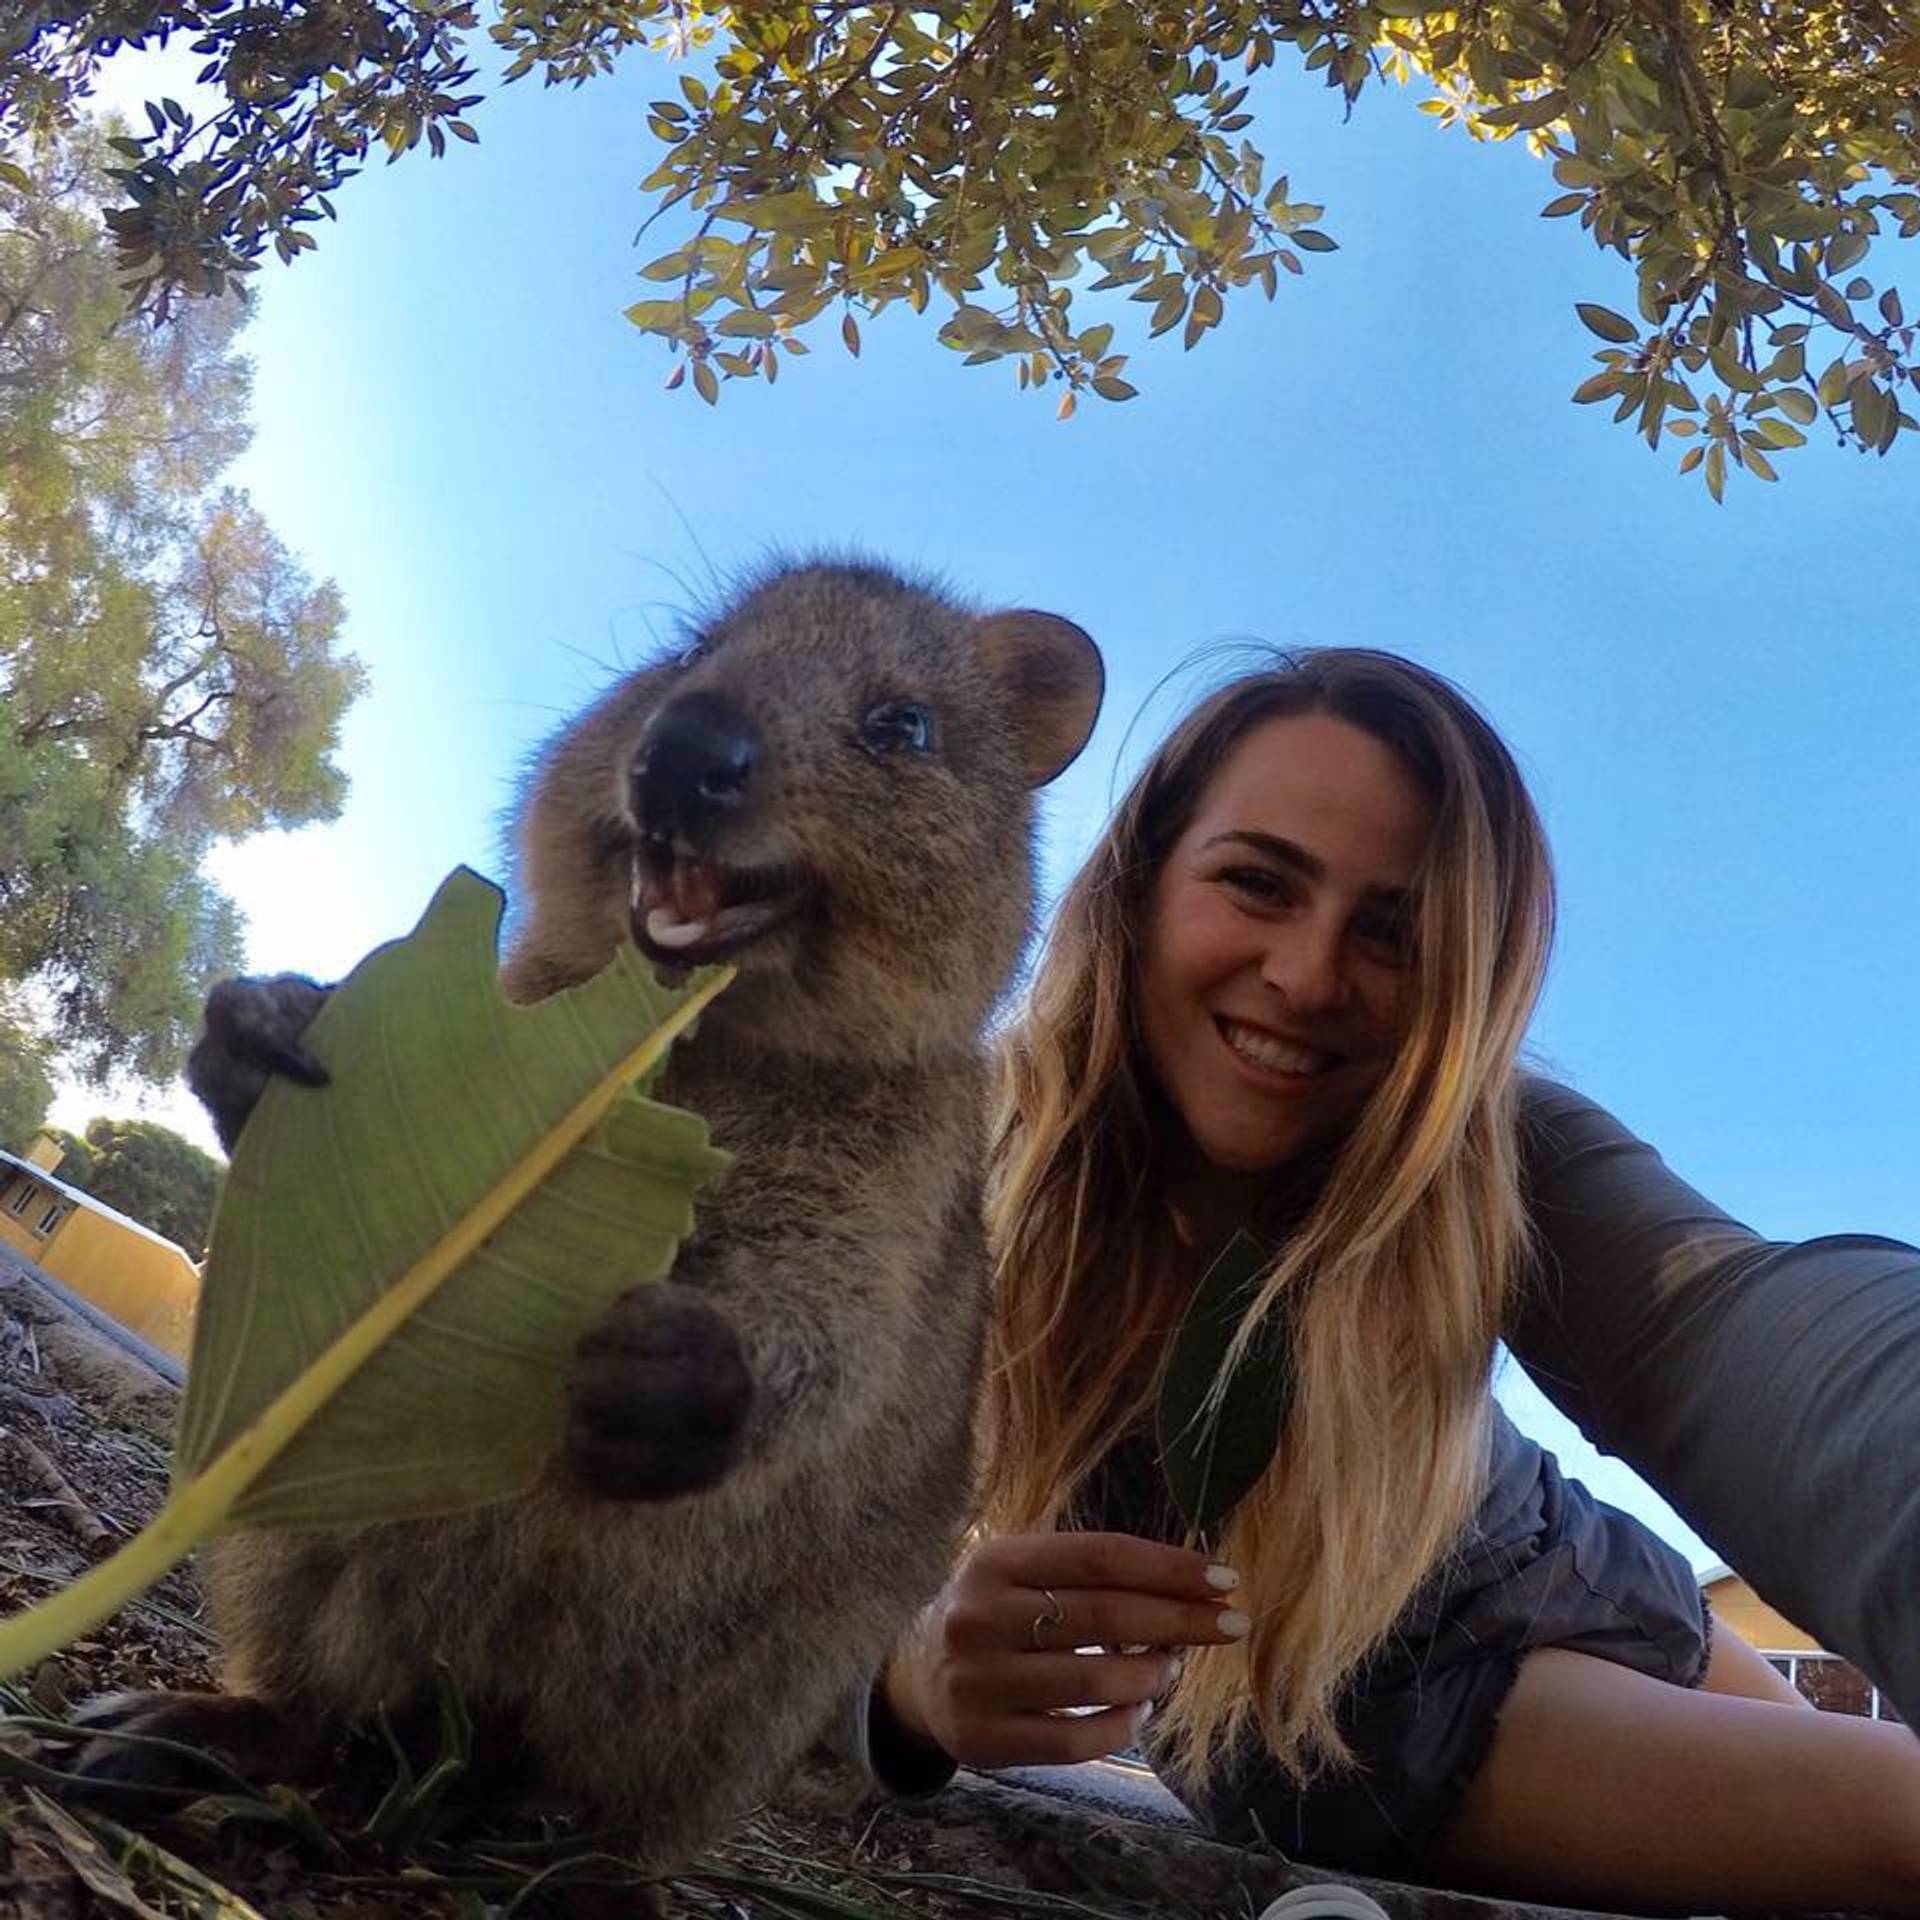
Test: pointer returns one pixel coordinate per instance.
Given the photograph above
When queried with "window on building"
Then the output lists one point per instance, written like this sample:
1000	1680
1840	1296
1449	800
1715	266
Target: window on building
1833	1684
23	1198
51	1219
1836	1685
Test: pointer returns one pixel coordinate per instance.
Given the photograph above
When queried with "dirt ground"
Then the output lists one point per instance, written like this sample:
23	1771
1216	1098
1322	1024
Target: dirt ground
83	1453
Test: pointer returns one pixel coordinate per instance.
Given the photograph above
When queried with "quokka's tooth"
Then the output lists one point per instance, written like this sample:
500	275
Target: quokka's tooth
666	929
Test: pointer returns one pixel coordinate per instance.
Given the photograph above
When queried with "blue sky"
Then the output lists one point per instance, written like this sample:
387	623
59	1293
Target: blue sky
1717	706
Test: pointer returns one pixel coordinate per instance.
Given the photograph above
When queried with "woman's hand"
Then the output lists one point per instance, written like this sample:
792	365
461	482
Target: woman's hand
991	1662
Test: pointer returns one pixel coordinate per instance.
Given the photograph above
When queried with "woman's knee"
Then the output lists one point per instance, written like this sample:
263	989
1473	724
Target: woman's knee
1734	1666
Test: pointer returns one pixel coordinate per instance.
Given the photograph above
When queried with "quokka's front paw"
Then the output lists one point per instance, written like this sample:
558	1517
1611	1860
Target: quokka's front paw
659	1399
251	1030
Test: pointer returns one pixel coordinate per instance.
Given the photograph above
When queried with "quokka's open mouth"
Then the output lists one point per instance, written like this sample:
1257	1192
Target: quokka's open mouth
687	913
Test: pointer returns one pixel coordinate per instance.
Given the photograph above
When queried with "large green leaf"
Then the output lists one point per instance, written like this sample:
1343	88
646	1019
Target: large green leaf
1212	1453
441	1087
402	1264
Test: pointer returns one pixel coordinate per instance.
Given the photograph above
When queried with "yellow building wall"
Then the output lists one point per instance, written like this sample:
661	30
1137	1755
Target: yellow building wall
1753	1620
147	1284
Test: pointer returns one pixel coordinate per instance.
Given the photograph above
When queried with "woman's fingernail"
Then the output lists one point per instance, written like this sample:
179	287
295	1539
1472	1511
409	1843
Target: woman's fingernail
1234	1624
1222	1579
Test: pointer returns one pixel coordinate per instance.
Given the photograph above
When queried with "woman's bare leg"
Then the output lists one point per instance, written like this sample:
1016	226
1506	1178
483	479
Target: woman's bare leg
1604	1786
1734	1667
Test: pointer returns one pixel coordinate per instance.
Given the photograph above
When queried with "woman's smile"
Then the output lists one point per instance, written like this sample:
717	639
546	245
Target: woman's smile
1274	1057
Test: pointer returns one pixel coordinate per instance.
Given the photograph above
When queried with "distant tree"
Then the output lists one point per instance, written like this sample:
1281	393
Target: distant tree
168	675
1000	159
152	1175
26	1086
76	1157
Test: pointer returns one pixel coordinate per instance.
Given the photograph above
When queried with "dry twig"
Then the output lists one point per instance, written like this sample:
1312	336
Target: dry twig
61	1496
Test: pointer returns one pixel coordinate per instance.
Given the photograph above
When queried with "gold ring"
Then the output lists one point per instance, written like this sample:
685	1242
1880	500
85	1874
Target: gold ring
1052	1618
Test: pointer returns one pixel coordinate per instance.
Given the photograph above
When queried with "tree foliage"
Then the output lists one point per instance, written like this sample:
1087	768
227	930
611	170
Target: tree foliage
76	1157
26	1086
168	675
1007	163
149	1173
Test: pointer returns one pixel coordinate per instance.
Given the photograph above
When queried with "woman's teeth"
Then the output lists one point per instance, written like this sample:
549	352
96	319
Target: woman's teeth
1276	1055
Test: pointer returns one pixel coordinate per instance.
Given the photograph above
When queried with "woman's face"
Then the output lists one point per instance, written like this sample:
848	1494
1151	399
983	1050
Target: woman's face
1278	945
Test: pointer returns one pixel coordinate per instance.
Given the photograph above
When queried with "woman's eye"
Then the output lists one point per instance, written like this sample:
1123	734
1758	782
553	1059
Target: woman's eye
1259	883
1390	940
897	726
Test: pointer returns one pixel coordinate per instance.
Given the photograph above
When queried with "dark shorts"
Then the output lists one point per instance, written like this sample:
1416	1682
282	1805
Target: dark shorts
1546	1565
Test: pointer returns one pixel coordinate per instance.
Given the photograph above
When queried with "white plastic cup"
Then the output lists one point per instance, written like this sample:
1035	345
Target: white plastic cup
1326	1902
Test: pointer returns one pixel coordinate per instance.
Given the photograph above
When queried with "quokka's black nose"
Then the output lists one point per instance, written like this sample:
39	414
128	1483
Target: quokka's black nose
694	766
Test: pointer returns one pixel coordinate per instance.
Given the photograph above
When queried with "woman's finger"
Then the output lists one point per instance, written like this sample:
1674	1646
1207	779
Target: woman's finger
1120	1561
1048	1682
990	1619
1080	1617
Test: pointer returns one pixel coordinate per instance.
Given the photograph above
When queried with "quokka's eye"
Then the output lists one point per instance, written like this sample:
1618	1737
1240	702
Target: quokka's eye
689	656
898	726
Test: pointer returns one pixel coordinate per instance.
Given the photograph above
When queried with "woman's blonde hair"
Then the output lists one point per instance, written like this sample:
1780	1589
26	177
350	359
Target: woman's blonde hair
1396	1280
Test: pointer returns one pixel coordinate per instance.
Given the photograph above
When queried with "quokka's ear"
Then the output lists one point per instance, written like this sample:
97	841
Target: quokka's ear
1056	677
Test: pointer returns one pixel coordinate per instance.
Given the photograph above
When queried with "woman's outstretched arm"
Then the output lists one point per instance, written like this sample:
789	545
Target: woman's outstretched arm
1770	1390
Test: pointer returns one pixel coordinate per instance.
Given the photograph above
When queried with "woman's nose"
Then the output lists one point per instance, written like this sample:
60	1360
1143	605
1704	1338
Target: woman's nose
1306	964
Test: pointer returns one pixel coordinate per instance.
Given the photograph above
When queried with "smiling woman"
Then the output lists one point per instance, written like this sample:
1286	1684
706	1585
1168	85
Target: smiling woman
1285	998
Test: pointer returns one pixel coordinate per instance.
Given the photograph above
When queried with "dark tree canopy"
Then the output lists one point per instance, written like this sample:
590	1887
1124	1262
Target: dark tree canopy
76	1157
169	677
1008	164
149	1173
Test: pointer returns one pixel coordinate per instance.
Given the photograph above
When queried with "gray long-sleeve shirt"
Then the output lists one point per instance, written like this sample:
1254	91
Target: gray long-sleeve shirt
1771	1391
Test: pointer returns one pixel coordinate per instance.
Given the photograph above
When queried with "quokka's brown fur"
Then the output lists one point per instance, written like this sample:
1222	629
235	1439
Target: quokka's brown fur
664	1661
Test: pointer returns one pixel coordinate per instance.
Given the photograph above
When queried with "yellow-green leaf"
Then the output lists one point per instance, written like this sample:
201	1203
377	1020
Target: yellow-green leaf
435	1230
657	316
